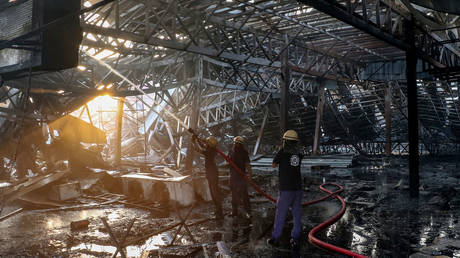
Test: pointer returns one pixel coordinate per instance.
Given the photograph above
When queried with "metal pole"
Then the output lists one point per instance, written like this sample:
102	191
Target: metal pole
118	131
412	110
261	132
319	114
285	81
195	112
388	120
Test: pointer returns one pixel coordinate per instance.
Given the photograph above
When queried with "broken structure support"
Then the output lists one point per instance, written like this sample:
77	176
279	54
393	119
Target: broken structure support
285	81
119	244
195	112
2	218
364	23
181	137
119	127
412	111
319	114
261	133
89	115
388	120
235	125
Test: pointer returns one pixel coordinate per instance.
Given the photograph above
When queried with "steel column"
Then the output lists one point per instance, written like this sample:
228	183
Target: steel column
261	132
412	111
319	114
284	89
388	120
118	131
195	112
334	9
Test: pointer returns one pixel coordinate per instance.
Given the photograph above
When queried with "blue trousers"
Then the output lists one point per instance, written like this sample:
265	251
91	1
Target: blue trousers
288	199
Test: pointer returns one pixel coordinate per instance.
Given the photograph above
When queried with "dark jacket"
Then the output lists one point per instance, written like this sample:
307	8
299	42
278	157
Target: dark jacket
289	160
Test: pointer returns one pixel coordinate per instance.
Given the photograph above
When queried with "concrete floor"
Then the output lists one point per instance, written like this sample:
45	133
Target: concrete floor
380	221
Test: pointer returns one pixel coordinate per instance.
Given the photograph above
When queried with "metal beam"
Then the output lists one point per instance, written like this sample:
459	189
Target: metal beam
445	6
388	120
319	114
211	52
118	131
412	106
226	102
309	26
261	132
195	112
237	87
285	82
334	9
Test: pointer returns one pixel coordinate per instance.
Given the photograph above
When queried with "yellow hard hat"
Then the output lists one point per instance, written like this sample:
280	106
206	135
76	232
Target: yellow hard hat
290	135
238	139
212	141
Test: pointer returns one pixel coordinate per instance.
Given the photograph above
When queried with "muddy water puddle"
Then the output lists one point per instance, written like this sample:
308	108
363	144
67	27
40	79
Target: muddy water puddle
380	221
51	230
153	243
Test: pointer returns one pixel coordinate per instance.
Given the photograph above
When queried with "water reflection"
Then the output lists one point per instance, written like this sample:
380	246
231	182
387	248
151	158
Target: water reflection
113	216
54	222
150	244
94	248
83	214
4	184
425	233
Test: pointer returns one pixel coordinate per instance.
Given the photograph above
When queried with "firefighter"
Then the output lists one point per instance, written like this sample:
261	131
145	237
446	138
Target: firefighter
208	149
288	159
238	184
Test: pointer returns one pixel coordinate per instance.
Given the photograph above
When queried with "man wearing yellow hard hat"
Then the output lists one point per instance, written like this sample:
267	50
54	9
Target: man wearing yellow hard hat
240	157
208	149
288	159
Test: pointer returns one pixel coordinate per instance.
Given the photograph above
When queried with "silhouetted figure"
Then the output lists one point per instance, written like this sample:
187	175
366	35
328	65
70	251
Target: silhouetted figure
208	149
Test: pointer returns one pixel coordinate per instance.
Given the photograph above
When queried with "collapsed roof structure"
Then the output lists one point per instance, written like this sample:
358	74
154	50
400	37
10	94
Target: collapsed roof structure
125	81
259	64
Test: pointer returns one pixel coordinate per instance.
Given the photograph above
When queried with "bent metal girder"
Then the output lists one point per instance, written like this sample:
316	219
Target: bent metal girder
175	25
240	42
386	20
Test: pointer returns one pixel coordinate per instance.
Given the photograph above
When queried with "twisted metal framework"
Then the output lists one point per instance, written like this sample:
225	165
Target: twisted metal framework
386	19
226	57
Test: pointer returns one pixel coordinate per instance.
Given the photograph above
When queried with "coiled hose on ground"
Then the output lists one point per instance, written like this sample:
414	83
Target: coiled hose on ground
325	224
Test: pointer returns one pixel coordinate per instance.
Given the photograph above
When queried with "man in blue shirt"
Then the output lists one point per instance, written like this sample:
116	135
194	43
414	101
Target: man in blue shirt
289	160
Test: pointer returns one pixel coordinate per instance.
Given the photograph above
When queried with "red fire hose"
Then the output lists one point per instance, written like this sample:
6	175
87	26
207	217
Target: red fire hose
325	224
311	234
